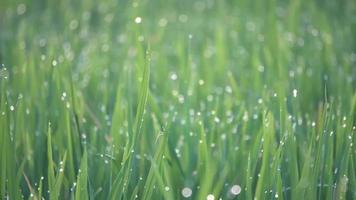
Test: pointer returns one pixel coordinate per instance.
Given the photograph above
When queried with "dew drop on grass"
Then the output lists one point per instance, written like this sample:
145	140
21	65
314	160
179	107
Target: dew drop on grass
73	24
183	18
223	136
210	197
138	20
255	116
174	76
187	192
210	98
175	93
228	89
261	68
64	95
295	93
181	99
21	9
235	190
12	108
54	63
300	121
217	120
141	38
162	22
166	188
245	116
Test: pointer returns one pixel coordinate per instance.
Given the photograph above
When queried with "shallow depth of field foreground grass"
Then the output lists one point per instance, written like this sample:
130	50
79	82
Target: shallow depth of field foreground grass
164	99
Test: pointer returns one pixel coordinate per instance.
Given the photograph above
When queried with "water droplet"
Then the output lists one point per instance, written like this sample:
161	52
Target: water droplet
216	119
210	98
183	18
261	68
228	89
245	116
223	136
181	99
141	38
64	95
255	116
54	63
166	188
162	22
138	20
175	93
210	197
174	76
295	93
73	24
21	9
187	192
12	108
235	190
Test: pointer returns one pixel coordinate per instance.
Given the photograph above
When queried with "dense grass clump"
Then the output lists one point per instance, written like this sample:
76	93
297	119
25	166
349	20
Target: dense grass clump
164	99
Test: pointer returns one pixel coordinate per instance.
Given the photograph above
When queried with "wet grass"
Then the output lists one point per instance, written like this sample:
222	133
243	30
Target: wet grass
177	99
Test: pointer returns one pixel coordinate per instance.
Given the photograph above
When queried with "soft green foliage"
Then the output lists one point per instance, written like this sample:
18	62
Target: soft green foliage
128	99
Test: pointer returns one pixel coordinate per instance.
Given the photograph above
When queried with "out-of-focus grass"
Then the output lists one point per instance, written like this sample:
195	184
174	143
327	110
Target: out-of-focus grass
177	99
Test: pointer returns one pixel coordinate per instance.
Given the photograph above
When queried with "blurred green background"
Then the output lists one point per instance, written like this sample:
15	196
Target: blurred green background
143	99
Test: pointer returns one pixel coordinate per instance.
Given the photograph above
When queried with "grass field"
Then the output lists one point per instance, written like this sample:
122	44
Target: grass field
165	99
